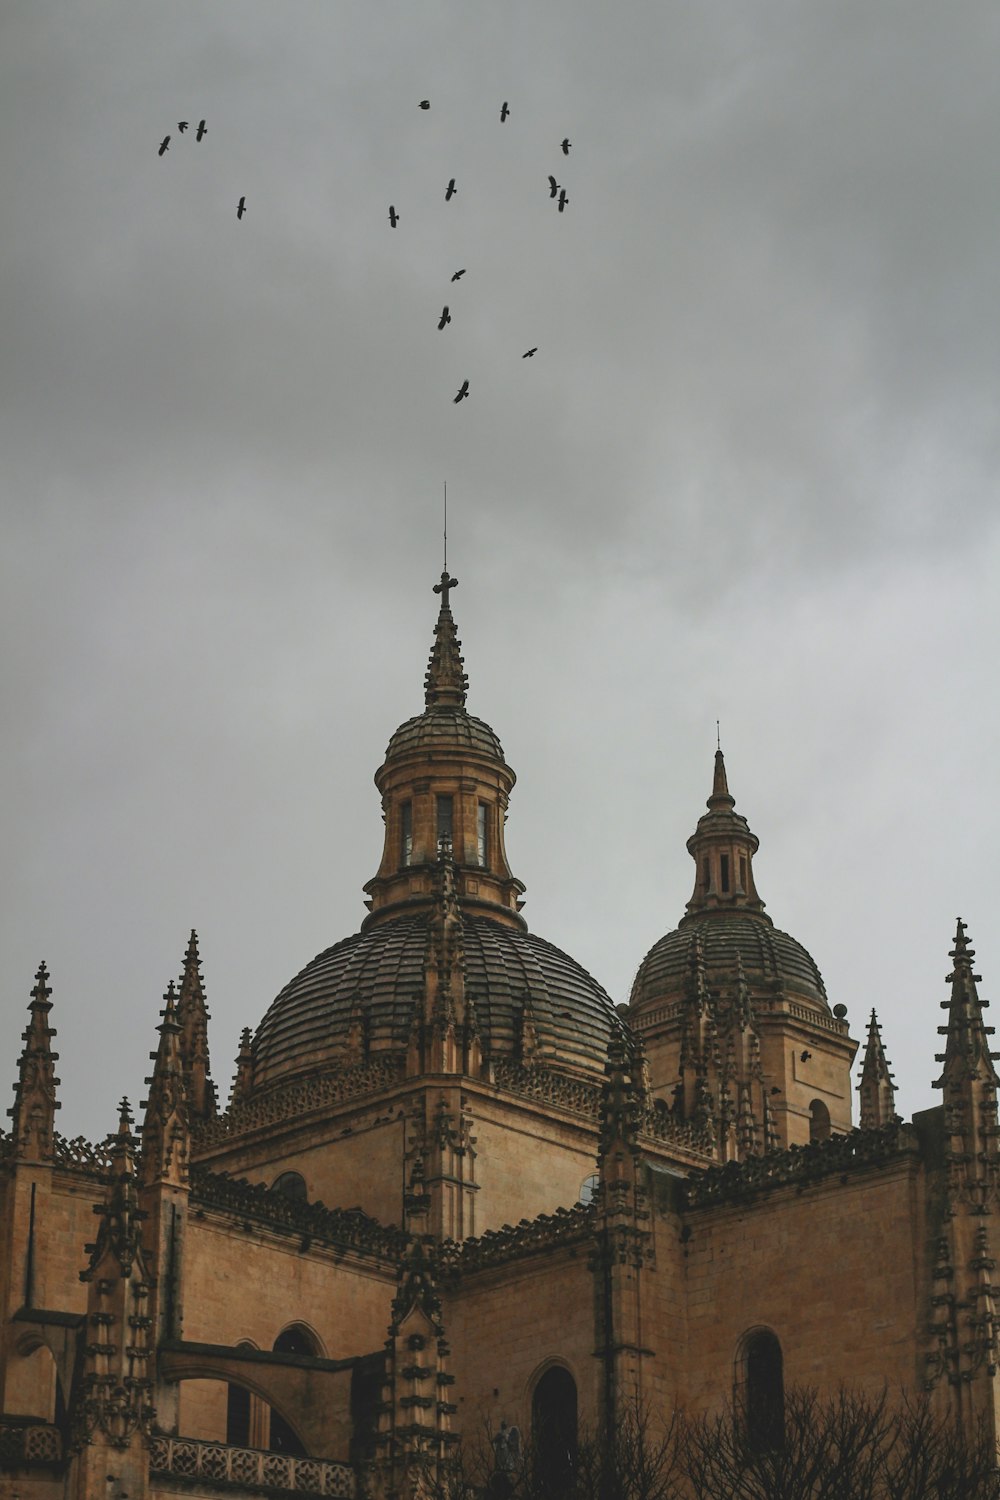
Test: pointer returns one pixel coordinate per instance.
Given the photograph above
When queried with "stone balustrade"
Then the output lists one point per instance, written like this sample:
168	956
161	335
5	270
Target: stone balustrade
250	1468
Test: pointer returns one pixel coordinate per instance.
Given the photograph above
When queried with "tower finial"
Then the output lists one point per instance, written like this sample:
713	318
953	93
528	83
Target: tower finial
718	736
445	683
445	526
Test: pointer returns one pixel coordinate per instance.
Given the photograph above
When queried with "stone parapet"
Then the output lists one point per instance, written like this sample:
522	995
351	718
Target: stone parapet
221	1466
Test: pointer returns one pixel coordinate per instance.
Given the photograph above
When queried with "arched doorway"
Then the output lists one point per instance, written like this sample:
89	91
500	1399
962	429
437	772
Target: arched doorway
554	1430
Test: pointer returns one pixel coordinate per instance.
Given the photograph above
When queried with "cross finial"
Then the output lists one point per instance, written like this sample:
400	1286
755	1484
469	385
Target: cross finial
718	736
447	582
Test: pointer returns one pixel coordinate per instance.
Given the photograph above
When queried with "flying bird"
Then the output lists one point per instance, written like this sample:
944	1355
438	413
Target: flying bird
164	145
565	146
445	318
458	274
202	130
563	200
425	104
182	125
463	391
529	352
553	186
393	216
241	208
504	112
451	190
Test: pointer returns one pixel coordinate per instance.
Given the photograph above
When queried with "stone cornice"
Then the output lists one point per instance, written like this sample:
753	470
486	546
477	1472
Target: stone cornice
297	1098
499	1247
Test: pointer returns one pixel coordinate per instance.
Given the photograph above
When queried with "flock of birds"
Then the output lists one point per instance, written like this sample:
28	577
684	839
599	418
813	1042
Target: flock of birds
200	134
556	191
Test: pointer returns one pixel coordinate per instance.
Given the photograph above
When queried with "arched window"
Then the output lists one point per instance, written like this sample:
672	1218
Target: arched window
291	1185
244	1412
588	1188
819	1121
554	1430
763	1390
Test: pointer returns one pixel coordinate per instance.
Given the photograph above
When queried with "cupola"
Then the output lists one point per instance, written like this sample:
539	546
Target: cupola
444	779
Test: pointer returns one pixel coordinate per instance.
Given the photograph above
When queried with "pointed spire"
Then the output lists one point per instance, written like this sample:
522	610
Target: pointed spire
967	1056
193	1017
166	1137
35	1102
119	1233
878	1096
244	1068
446	683
720	798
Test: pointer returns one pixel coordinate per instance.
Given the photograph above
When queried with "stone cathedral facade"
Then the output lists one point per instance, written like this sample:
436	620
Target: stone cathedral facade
456	1189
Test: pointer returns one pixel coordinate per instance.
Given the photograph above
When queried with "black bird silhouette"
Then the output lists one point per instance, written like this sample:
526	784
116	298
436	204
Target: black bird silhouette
202	130
528	353
451	189
393	216
425	104
553	186
182	125
241	208
445	318
458	274
563	200
463	391
565	146
164	145
504	112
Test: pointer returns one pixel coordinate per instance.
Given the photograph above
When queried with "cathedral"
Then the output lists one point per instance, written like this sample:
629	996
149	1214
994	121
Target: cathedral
456	1190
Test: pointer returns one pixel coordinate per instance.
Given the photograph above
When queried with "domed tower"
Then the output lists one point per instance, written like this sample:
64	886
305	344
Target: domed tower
442	1066
733	1012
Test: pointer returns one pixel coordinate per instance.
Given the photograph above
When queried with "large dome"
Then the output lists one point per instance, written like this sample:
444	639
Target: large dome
771	960
377	974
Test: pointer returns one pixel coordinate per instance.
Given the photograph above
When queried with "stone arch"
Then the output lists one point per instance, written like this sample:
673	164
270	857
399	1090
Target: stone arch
554	1425
760	1388
819	1121
246	1412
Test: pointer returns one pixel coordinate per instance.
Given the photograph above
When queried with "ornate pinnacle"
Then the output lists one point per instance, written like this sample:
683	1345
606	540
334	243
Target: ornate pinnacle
446	683
35	1102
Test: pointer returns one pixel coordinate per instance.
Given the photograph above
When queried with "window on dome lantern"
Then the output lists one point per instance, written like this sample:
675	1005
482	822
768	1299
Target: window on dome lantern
406	833
743	871
444	818
724	871
481	846
706	877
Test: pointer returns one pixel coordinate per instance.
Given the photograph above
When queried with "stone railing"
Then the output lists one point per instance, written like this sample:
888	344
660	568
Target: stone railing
343	1228
799	1165
552	1088
25	1443
80	1155
288	1101
250	1468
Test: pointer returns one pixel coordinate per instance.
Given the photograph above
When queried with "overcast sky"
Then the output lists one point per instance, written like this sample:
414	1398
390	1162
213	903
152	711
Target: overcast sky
750	475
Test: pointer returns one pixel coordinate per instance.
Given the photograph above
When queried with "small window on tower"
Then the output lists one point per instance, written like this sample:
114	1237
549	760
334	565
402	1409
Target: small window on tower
743	871
481	846
406	833
724	871
444	818
706	878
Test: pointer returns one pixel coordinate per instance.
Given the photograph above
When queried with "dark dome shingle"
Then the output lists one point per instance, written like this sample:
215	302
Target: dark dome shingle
379	972
770	958
445	728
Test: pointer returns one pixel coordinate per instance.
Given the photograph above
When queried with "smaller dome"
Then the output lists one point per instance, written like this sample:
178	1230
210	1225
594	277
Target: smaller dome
444	728
770	958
